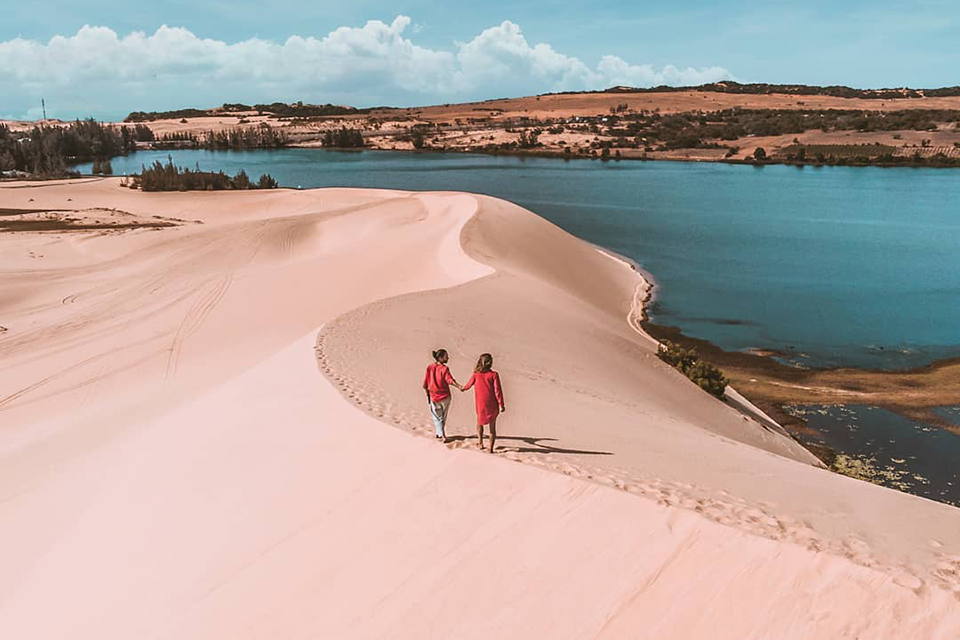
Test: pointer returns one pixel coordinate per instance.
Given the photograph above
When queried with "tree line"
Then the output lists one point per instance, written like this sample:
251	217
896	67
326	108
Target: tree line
301	110
263	137
343	137
150	116
170	177
280	109
763	88
49	150
703	129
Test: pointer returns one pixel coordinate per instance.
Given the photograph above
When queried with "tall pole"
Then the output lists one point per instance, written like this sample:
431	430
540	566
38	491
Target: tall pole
44	105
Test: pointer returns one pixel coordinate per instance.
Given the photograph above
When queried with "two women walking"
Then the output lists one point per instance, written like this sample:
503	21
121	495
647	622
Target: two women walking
487	392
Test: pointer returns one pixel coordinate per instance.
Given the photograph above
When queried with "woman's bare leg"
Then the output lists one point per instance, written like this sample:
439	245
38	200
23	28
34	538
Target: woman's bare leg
493	433
480	436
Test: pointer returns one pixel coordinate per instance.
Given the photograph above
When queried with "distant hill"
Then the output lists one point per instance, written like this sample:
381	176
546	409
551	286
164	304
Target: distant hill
279	109
301	110
757	88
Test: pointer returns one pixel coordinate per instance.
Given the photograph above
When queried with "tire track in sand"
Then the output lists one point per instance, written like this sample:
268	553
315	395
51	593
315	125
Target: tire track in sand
194	318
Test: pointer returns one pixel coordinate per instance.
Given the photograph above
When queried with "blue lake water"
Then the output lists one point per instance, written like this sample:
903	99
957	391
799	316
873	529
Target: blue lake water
838	266
906	455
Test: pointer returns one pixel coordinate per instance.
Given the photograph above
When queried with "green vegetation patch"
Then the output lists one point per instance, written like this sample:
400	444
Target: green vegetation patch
279	109
866	468
343	137
150	116
702	373
169	177
46	151
707	129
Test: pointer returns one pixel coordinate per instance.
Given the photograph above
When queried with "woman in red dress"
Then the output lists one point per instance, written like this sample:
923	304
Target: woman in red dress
489	397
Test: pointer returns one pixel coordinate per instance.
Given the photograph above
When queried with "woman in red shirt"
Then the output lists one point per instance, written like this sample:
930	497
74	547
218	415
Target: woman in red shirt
436	383
489	397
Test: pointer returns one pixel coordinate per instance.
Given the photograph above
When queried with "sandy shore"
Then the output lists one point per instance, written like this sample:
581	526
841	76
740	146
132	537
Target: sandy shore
199	441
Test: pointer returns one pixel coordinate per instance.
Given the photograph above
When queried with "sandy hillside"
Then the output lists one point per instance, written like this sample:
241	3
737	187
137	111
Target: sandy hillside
583	104
199	441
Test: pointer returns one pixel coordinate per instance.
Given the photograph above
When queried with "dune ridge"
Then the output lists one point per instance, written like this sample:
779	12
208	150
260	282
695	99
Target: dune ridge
666	464
173	466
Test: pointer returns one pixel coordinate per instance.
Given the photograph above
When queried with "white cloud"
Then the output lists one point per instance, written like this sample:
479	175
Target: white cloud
616	71
501	57
99	72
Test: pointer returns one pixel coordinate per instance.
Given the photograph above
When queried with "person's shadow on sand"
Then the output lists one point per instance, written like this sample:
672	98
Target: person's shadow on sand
534	445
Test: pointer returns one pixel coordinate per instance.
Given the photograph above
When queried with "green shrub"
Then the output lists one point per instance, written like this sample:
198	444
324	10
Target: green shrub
530	139
417	138
343	138
703	374
266	182
143	133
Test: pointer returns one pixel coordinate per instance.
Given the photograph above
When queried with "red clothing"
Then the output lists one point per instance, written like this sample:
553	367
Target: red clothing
488	394
437	380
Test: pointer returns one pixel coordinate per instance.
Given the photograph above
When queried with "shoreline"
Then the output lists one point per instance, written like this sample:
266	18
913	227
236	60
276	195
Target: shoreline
651	282
771	161
552	155
773	386
560	155
756	355
777	411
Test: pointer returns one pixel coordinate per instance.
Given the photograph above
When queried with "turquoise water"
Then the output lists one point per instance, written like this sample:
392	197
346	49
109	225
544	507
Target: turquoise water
907	455
834	265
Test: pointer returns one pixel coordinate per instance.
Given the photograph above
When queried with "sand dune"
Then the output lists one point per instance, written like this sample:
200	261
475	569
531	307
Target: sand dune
196	442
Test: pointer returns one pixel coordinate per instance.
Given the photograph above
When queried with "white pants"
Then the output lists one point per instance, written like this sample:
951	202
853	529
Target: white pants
439	412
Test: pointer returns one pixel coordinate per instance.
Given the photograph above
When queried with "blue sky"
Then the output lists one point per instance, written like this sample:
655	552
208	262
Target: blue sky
106	58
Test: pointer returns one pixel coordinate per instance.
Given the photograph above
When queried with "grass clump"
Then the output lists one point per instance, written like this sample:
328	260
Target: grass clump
702	373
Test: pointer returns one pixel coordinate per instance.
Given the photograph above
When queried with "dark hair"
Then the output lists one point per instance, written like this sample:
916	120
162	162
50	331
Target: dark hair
484	363
439	353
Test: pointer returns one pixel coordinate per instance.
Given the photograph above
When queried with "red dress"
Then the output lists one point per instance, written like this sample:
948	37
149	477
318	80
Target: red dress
437	381
488	394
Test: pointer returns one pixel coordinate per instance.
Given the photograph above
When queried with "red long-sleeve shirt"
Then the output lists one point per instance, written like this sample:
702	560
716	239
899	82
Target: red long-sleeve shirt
488	395
437	381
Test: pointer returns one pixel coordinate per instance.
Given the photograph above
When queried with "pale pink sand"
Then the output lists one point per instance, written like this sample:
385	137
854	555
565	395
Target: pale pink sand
174	465
587	396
